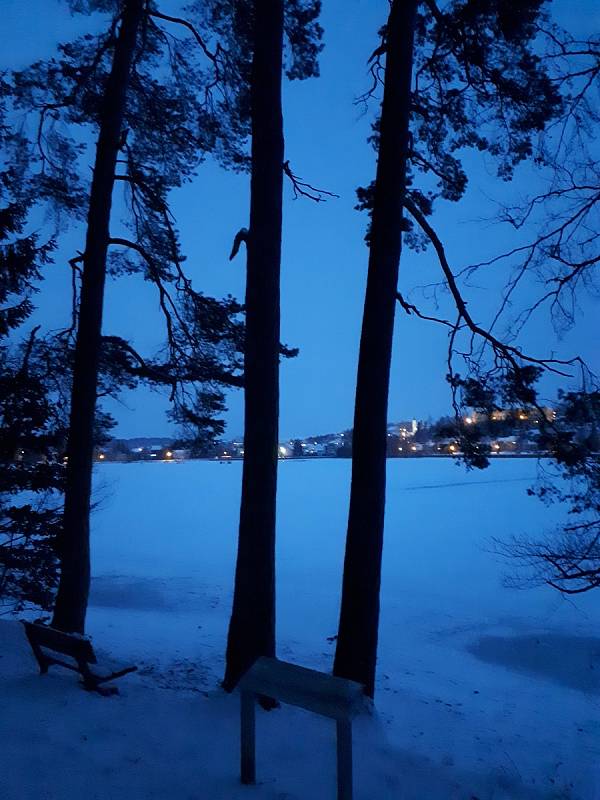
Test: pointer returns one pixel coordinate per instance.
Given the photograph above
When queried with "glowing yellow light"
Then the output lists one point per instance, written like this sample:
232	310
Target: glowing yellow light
522	416
101	456
469	420
414	447
452	448
169	454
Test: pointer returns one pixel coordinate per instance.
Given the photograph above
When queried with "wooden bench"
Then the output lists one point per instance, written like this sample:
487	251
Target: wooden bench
43	639
324	694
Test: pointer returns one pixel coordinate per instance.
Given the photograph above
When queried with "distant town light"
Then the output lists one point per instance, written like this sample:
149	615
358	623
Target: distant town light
414	448
101	456
169	454
452	448
469	420
522	416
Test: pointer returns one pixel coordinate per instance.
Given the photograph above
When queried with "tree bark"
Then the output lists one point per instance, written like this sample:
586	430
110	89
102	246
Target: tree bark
74	547
356	650
252	625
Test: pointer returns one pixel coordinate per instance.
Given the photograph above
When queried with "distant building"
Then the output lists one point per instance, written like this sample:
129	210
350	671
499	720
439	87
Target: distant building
532	415
404	430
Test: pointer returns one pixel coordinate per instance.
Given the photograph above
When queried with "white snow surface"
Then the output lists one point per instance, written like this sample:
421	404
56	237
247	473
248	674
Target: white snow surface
483	692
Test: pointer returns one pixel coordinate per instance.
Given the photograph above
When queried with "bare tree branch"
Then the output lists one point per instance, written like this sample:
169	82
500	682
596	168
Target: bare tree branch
302	189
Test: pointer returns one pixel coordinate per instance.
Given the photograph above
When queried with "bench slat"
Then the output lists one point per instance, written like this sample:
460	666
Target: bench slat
324	694
78	647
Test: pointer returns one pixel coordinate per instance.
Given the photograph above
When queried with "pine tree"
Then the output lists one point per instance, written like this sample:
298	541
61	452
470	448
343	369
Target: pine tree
72	598
149	98
357	638
31	476
252	626
477	84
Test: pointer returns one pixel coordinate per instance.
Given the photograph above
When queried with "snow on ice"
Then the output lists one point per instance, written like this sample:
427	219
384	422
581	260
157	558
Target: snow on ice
484	692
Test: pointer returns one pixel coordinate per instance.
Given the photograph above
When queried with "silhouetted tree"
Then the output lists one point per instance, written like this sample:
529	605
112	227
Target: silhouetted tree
357	635
31	428
152	106
568	557
260	27
560	251
477	84
252	625
71	601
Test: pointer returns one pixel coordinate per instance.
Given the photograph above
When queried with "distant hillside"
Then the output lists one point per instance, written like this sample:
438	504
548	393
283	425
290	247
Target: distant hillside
143	441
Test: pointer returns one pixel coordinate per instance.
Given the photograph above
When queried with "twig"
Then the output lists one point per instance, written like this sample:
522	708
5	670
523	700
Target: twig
303	189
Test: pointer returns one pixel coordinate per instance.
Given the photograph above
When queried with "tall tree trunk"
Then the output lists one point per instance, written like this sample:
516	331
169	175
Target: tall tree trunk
71	602
356	650
252	625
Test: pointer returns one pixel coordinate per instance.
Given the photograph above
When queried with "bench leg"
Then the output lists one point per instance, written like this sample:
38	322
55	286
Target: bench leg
41	659
91	682
344	759
248	735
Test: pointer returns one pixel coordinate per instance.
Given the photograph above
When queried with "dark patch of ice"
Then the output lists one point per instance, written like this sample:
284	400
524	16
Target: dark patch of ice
497	481
126	592
572	661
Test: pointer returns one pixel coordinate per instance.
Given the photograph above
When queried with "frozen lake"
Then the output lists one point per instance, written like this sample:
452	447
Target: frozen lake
471	674
484	692
164	536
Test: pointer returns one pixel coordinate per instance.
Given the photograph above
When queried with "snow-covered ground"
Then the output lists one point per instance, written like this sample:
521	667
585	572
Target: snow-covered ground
484	692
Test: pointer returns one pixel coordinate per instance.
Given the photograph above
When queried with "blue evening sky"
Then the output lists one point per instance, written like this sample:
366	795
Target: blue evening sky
324	255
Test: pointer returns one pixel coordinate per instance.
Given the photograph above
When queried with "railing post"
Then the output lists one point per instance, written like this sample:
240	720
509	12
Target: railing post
344	759
248	755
